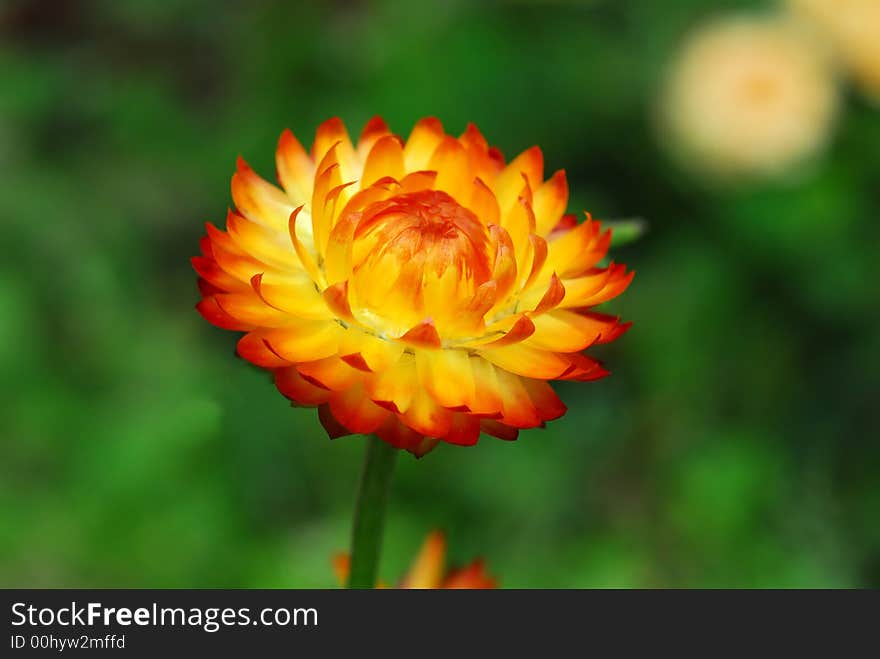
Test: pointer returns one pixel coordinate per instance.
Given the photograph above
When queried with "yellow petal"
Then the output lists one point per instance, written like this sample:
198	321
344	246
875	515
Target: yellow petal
250	309
374	129
394	386
374	354
487	399
295	294
332	135
296	169
446	376
527	361
509	184
384	159
305	340
455	171
571	253
258	200
269	245
428	568
565	331
551	200
422	142
329	373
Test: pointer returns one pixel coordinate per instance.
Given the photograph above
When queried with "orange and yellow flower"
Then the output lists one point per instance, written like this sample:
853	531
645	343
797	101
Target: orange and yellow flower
428	570
422	290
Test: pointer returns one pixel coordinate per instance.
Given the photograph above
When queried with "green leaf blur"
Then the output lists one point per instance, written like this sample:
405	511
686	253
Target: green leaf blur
735	444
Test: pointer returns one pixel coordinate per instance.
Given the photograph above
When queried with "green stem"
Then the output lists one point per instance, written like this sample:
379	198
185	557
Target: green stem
369	513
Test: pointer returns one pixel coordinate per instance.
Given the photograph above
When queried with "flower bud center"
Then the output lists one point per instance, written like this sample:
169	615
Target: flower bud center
417	256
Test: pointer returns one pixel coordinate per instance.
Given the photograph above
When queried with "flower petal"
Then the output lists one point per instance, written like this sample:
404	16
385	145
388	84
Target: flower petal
401	436
504	267
369	351
583	368
545	400
299	228
446	376
508	185
328	179
250	309
487	400
483	204
374	129
384	159
551	200
572	253
426	417
551	298
423	335
594	289
329	373
394	387
333	135
306	340
486	164
295	387
331	424
296	170
429	565
354	410
519	222
268	245
527	361
455	171
336	299
214	314
464	430
513	328
422	142
211	271
259	200
499	430
418	181
253	348
565	331
295	295
518	409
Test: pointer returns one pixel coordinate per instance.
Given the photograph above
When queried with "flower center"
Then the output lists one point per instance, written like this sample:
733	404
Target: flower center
417	256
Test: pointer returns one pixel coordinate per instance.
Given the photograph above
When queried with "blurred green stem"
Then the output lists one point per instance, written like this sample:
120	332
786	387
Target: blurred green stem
369	512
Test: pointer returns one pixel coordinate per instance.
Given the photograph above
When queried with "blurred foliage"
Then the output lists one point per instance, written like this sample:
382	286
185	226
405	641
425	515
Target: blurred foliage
735	444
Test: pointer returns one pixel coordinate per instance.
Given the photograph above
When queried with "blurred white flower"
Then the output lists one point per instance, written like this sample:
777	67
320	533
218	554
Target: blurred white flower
749	96
853	29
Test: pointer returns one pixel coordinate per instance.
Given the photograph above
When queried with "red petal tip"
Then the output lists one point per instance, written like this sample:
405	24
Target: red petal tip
423	335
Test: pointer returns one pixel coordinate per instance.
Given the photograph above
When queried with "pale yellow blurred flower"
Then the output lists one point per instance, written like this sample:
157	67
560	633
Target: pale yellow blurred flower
853	29
749	96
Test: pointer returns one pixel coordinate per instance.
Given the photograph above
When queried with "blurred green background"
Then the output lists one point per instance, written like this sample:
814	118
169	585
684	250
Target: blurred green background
735	444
